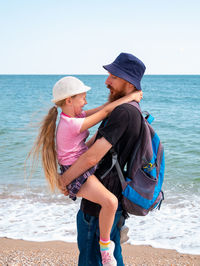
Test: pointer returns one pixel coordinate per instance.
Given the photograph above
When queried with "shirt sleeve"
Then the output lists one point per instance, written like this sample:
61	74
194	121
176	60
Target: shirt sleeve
115	125
73	124
77	124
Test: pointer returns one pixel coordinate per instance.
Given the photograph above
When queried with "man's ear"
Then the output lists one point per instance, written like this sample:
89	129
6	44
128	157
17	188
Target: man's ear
131	87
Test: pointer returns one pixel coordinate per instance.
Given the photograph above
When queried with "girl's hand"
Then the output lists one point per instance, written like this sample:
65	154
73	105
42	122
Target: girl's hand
137	96
62	186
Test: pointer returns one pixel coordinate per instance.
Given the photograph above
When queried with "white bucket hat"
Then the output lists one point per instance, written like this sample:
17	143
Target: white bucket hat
66	87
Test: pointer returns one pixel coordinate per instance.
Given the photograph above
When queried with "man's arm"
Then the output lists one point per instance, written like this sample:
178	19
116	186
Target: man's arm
87	160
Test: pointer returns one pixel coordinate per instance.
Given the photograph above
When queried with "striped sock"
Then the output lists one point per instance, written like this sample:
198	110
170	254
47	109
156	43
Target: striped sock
104	244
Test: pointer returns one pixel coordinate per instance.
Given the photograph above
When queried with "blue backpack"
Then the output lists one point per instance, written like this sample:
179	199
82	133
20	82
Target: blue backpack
142	181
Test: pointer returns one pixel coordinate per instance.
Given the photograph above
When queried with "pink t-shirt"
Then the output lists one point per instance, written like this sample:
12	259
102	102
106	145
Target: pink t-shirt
70	143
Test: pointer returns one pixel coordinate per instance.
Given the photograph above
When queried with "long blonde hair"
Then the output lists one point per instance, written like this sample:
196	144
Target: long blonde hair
46	146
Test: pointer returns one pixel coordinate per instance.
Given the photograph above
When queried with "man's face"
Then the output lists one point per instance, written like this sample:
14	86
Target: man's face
117	87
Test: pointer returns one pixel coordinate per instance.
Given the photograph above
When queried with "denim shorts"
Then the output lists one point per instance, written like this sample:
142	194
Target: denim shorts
74	187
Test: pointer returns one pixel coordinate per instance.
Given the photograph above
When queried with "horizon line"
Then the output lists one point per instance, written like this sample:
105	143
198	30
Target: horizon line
82	74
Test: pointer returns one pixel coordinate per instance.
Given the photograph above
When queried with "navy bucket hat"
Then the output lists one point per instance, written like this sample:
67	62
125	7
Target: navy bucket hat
127	67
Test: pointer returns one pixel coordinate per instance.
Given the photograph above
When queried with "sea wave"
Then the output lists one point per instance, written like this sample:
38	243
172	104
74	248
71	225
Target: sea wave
39	216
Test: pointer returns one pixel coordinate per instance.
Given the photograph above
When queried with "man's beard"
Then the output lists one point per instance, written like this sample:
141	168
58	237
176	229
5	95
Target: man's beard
117	95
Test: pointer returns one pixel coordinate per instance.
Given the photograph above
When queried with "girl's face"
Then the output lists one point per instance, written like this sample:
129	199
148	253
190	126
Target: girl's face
78	102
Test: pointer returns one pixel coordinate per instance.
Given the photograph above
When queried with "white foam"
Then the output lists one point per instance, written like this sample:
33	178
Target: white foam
38	221
175	226
43	217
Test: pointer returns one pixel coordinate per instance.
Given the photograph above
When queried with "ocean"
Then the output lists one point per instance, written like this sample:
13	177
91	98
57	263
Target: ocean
29	211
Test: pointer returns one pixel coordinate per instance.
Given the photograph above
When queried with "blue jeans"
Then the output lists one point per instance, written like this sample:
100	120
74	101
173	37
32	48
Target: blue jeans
88	239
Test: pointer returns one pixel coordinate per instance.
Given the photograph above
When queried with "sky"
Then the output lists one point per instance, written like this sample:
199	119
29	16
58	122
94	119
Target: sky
79	36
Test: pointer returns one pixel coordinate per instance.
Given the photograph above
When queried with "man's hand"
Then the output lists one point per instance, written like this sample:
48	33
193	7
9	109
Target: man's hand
87	160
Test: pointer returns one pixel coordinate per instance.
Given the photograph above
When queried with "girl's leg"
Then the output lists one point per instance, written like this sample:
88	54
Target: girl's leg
94	191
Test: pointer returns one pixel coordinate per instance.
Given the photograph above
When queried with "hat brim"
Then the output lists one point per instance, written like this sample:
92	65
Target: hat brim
116	71
84	89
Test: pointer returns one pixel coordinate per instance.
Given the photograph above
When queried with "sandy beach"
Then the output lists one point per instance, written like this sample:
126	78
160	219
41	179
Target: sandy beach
58	253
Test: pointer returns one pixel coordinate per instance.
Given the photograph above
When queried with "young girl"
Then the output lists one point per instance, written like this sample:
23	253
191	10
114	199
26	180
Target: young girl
69	93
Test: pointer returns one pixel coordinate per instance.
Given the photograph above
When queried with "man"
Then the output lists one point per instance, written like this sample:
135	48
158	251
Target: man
119	131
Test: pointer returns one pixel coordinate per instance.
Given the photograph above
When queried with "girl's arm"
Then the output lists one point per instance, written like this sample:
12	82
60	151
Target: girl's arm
94	110
98	116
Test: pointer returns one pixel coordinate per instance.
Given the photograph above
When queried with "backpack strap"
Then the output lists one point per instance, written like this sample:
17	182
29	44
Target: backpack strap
146	114
118	168
136	105
121	175
114	160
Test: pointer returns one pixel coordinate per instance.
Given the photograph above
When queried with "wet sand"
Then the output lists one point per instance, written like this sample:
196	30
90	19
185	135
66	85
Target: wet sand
58	253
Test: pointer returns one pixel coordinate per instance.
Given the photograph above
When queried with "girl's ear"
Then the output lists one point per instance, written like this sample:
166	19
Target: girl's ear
68	100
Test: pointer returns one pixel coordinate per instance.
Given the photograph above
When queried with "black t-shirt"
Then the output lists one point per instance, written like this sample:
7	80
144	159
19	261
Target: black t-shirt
121	129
